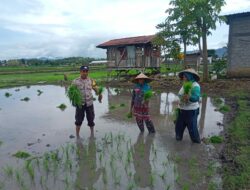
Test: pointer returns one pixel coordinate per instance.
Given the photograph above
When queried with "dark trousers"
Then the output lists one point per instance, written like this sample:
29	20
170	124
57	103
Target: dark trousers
187	118
149	124
80	114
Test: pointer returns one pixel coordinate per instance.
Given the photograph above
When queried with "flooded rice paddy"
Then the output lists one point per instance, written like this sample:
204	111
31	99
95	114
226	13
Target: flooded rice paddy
115	156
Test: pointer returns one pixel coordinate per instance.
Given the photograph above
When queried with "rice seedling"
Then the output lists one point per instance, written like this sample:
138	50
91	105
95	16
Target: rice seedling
26	99
7	94
21	154
17	89
46	162
152	179
167	187
42	181
37	162
100	157
147	95
1	142
104	176
131	186
187	86
39	92
163	175
75	96
30	169
216	139
8	170
66	181
62	107
19	178
1	185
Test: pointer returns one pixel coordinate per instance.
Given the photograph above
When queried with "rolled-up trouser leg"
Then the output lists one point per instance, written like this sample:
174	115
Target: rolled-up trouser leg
140	124
180	125
150	126
79	115
192	125
90	114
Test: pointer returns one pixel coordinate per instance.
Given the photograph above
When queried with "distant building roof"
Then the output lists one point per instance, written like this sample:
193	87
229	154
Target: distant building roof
236	15
127	41
98	62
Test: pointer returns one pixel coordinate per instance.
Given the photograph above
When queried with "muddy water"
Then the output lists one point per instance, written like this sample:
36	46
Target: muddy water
116	156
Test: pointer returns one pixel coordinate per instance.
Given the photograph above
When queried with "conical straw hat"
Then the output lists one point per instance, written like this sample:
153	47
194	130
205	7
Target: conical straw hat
192	71
142	76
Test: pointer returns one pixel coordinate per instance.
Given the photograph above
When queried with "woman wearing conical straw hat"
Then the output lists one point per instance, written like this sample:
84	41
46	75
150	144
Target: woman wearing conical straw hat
189	96
140	102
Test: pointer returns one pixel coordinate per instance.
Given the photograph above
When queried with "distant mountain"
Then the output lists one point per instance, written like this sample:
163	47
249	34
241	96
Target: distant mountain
221	52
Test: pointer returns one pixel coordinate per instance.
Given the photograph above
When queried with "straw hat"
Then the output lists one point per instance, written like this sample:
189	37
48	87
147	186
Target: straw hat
192	71
142	76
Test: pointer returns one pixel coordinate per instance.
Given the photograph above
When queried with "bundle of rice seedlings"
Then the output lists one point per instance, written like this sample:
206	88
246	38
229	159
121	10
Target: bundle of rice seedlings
187	87
176	114
147	95
100	90
74	95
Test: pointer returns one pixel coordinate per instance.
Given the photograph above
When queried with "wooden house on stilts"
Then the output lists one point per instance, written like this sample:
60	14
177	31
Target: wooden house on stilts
132	53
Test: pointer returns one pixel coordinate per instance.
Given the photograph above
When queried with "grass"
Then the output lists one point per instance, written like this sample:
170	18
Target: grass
216	139
49	77
224	108
21	154
237	172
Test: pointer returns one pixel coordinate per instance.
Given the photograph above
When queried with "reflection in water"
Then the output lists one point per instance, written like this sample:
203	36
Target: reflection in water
87	174
202	116
141	156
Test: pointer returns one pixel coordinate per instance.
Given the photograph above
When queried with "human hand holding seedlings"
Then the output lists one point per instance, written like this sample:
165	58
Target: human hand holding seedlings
100	91
100	98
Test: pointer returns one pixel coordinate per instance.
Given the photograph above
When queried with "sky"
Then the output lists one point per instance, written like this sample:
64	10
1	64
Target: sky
69	28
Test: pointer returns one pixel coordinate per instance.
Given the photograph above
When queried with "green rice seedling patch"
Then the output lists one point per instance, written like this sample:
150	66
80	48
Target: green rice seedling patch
62	107
7	94
21	154
26	99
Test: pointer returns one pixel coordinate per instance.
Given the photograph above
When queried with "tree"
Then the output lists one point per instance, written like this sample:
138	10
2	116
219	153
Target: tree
206	14
192	19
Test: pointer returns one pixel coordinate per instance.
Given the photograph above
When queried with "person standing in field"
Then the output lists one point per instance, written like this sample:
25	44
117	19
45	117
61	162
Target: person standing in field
139	105
189	96
85	85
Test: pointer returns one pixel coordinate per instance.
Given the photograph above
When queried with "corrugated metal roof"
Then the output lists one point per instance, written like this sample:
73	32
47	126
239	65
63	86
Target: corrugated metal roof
127	41
236	15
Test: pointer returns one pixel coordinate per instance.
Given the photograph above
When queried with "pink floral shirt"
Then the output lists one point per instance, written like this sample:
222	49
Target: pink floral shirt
85	86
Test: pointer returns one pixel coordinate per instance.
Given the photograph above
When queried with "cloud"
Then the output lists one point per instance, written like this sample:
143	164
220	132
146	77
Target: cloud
62	28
